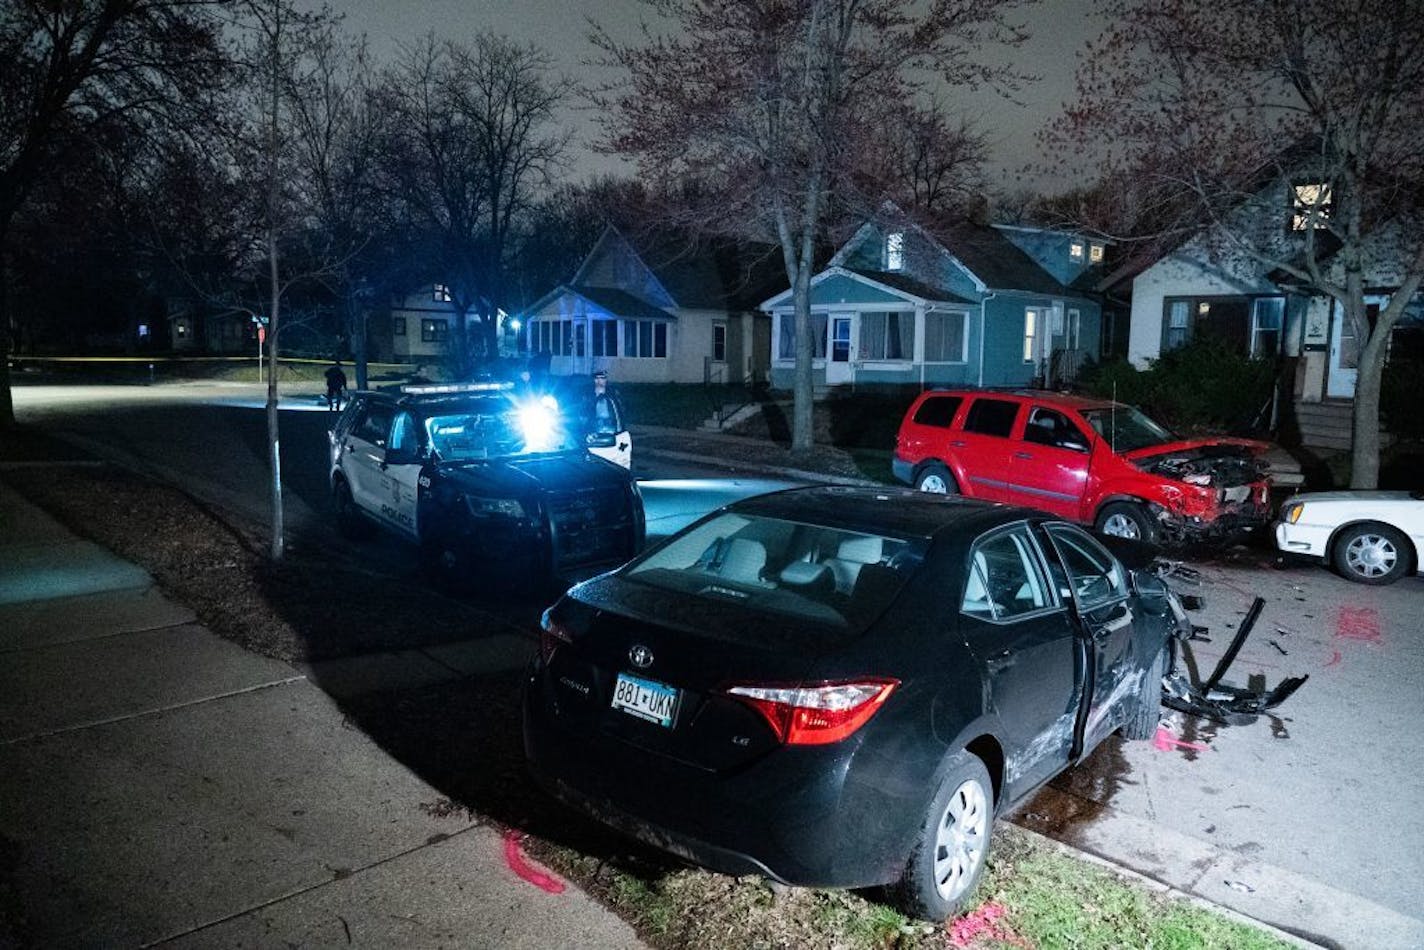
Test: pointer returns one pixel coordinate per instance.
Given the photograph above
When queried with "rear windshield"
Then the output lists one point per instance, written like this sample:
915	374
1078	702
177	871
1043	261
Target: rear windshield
830	576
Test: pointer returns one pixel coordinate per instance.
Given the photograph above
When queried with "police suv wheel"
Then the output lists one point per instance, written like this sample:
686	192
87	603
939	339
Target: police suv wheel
349	520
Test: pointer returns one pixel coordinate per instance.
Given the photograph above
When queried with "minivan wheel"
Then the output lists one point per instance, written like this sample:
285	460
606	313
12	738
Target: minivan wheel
935	479
1371	553
1126	519
949	857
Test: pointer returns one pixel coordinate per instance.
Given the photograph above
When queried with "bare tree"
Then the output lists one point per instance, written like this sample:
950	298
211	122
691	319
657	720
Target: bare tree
769	102
468	147
84	65
1206	116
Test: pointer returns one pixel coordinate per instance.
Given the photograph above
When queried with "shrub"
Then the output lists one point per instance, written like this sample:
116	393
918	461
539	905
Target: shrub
1203	385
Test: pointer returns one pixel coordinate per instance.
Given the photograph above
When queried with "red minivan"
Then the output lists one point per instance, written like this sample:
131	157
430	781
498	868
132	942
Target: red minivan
1096	462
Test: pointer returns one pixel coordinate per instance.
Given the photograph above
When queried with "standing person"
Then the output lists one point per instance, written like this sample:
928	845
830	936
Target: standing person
335	386
606	431
603	414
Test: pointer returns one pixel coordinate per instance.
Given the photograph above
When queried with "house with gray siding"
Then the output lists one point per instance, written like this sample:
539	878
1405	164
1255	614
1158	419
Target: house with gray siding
965	305
660	307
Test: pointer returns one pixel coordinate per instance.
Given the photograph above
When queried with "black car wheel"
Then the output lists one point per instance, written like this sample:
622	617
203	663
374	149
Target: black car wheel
1371	553
936	479
949	858
1147	714
349	520
1126	519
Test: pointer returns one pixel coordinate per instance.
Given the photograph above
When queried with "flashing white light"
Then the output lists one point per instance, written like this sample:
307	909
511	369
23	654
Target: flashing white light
540	422
515	325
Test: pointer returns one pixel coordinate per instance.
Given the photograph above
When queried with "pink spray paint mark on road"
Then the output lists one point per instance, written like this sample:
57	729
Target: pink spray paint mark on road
514	857
1359	623
1164	741
984	922
1334	658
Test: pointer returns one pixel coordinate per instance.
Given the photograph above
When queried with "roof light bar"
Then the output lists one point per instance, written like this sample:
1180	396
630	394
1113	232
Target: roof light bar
433	389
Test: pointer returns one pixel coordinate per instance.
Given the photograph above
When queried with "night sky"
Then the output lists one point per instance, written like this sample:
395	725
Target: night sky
1059	27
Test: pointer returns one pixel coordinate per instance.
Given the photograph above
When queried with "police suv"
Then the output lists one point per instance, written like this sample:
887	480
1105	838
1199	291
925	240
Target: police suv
484	482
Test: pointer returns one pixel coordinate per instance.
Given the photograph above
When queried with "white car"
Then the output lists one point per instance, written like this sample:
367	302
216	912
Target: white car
1373	537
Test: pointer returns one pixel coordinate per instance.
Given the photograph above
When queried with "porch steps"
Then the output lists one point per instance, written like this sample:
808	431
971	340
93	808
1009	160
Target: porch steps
1328	426
729	416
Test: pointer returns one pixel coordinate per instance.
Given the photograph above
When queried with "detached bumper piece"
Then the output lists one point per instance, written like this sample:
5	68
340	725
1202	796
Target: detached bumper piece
1229	705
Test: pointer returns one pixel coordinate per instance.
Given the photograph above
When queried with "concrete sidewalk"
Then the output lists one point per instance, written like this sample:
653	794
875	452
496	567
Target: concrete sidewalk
158	784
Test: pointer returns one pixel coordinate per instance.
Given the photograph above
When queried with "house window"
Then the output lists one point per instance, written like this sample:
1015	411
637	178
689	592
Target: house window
887	336
1030	340
1095	253
895	250
1267	319
398	326
945	338
440	294
1310	205
434	331
786	336
605	337
1075	251
1177	323
1072	329
719	343
645	339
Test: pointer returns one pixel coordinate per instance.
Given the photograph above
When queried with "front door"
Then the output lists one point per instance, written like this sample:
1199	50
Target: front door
1049	466
1345	348
838	371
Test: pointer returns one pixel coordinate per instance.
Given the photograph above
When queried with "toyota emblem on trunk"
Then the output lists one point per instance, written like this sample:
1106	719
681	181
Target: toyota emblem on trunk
641	656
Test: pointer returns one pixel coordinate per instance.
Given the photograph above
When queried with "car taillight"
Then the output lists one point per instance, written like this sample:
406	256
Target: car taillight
551	634
816	715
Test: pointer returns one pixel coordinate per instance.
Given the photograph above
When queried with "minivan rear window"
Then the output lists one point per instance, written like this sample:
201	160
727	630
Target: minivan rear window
991	417
938	411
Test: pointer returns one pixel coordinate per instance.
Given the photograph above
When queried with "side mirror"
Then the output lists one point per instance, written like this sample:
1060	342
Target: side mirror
403	456
1153	592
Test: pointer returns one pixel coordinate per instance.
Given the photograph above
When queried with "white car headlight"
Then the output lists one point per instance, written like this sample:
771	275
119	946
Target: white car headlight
482	507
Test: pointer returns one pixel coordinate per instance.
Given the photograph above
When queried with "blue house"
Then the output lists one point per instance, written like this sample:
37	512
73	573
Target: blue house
971	304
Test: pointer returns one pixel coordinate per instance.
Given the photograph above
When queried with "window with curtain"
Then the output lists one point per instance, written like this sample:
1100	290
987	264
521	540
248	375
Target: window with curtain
1177	330
945	337
887	336
786	336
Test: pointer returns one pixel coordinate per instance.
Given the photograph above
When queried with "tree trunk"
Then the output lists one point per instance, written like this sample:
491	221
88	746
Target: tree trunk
1365	446
803	418
7	401
274	443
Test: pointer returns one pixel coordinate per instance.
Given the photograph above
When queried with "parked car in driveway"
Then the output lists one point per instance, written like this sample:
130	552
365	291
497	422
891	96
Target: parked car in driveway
1091	461
1372	537
843	687
485	483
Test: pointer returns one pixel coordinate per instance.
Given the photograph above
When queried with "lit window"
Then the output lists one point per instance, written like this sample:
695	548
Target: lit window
1095	253
1075	251
434	331
1176	324
1031	329
441	294
895	251
1310	205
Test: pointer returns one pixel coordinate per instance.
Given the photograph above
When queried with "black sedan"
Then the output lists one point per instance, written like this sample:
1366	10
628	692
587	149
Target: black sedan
842	687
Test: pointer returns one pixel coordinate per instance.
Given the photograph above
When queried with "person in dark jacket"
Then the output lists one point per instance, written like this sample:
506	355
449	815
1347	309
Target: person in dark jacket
335	386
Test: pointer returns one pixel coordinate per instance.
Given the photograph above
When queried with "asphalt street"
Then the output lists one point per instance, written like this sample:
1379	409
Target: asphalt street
1312	819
